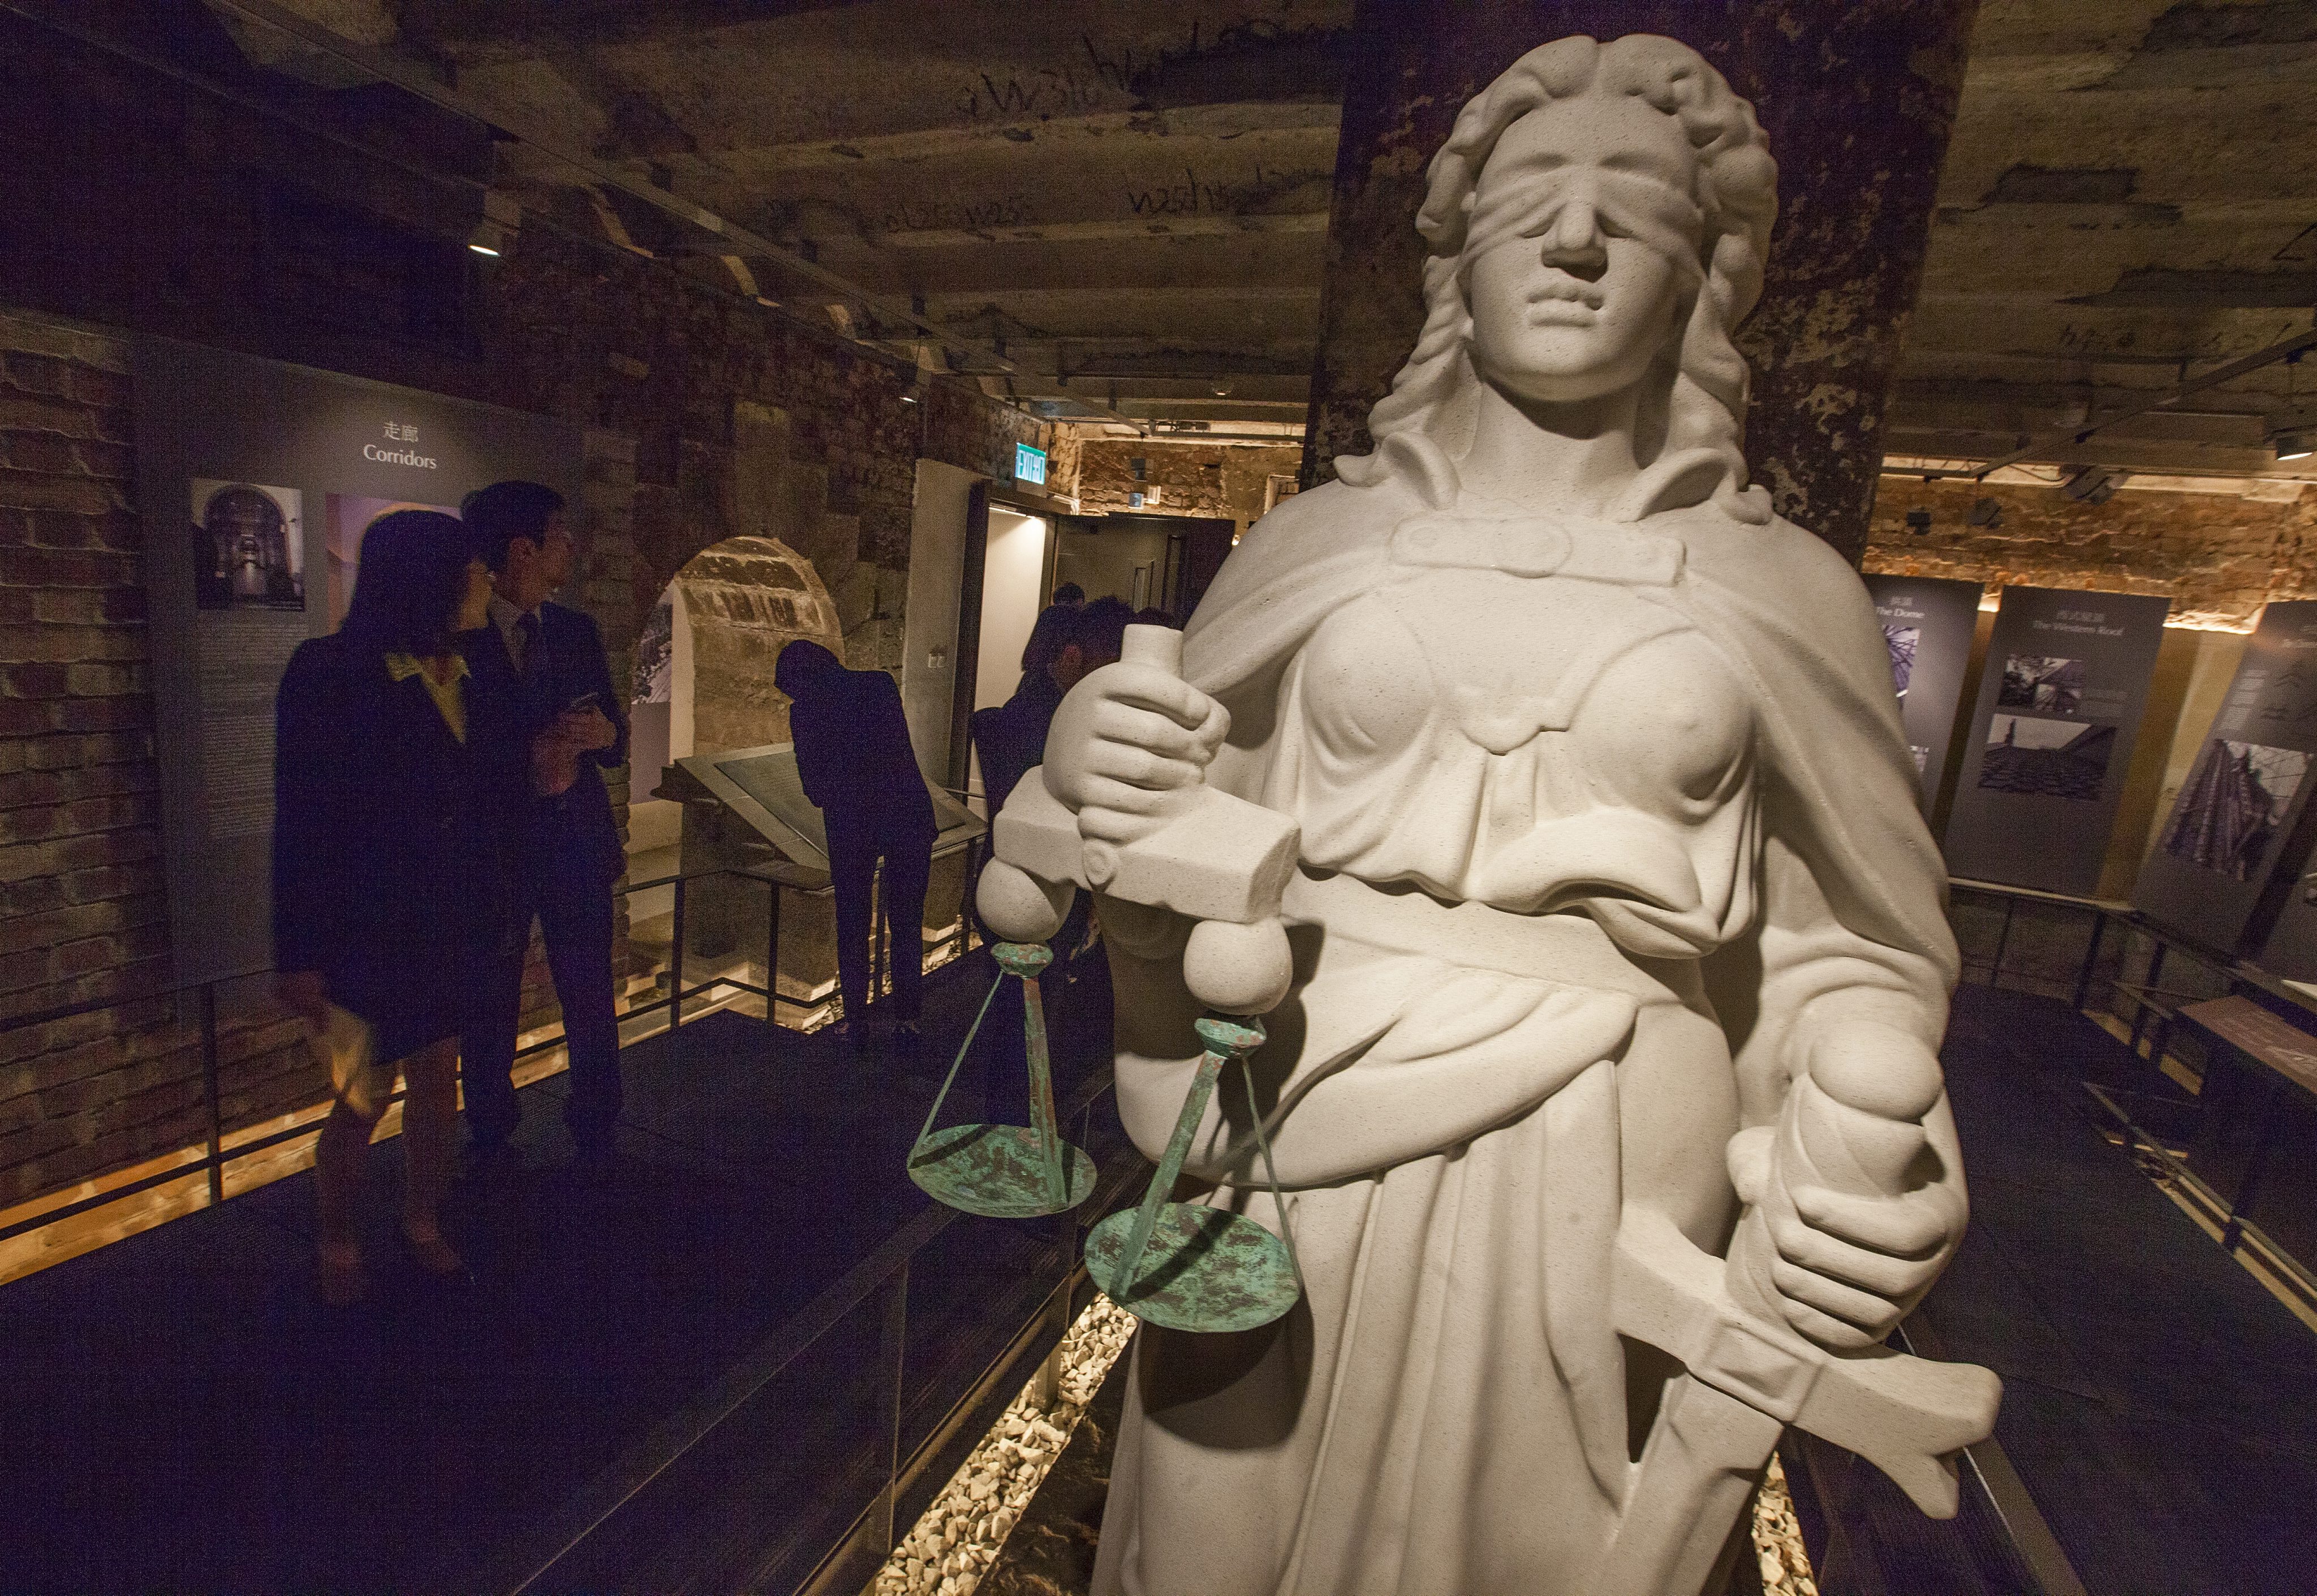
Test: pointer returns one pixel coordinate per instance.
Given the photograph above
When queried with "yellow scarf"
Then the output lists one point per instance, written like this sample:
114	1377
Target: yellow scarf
449	697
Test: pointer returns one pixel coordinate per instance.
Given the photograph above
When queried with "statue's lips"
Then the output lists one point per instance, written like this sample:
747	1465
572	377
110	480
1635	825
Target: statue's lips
1557	310
1560	297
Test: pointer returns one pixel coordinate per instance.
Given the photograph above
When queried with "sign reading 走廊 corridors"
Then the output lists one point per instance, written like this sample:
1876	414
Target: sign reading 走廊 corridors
258	481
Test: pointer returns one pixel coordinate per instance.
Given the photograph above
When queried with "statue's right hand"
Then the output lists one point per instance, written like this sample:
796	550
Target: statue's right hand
1124	742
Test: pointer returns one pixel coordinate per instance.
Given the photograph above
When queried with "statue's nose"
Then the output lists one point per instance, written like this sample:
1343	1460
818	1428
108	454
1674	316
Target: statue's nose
1574	241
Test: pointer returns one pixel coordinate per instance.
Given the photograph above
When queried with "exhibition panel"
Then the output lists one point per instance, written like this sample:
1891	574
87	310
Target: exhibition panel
2233	827
1928	623
270	474
2051	737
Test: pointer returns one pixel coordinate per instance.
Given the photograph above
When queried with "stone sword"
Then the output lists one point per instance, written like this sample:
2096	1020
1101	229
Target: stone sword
1853	1124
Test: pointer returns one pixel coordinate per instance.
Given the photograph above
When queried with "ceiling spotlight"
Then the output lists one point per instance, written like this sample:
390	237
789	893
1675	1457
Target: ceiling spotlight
489	238
2295	446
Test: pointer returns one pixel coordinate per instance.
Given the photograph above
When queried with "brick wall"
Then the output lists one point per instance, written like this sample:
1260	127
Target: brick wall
1207	479
82	913
2217	556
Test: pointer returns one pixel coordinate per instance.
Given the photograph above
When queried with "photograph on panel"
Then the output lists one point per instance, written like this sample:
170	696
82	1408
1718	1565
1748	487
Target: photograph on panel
2039	681
250	550
2027	754
1902	641
2232	805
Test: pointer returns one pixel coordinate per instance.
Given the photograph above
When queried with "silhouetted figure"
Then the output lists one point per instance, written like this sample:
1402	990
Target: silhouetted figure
548	660
1011	738
397	781
855	760
1051	630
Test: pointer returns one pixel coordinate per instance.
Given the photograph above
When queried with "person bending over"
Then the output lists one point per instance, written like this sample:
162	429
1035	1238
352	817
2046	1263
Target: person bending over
854	758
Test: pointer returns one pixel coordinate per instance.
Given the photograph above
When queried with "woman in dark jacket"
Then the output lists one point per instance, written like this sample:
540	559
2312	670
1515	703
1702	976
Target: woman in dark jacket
394	795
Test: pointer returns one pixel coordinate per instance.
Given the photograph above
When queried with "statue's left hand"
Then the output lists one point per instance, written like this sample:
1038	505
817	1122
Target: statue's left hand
1852	1254
1849	1268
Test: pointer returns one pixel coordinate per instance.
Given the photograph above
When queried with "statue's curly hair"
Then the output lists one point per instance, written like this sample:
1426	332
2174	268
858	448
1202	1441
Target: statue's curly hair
1698	402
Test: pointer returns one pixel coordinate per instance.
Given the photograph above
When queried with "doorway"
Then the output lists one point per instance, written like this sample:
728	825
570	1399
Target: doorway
1160	563
1016	580
1009	577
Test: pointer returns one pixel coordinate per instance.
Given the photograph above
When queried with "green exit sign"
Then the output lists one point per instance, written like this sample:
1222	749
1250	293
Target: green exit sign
1029	463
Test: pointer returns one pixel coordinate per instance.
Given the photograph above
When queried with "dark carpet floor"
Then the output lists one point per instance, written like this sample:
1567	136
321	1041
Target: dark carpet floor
2160	1404
180	1413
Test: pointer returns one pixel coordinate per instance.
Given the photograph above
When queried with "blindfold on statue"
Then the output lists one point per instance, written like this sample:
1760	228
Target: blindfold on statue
1527	205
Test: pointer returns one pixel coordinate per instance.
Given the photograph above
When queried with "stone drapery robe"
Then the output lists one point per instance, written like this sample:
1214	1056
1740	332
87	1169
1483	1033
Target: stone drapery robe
1498	962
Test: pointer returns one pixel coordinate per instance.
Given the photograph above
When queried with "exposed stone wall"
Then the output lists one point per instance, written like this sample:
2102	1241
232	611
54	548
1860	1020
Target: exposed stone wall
1210	479
747	424
748	598
2217	556
710	416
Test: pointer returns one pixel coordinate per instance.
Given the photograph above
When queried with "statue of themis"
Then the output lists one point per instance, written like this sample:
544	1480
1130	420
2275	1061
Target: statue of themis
1601	1077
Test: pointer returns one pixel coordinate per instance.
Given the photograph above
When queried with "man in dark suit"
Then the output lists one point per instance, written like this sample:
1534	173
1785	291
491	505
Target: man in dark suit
547	659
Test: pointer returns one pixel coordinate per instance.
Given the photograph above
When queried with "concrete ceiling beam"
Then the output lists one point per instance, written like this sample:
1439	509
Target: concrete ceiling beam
2073	435
889	66
853	302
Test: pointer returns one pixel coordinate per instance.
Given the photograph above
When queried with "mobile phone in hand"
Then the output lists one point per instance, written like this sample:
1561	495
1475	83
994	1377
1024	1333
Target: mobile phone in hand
582	704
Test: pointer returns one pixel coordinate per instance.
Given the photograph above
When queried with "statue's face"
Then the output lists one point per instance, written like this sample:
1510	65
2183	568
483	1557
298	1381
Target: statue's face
1581	211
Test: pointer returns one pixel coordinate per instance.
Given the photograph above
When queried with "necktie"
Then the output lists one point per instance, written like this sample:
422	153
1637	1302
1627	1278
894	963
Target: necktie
526	632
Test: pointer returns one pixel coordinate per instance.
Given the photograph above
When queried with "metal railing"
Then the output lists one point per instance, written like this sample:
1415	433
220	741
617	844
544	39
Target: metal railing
841	1546
776	875
2156	994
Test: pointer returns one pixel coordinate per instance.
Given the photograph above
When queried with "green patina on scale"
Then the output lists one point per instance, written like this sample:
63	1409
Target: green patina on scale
1006	1171
1179	1264
1187	1266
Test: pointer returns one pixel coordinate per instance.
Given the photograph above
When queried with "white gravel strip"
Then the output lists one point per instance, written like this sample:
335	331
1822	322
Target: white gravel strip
957	1540
1778	1538
948	1550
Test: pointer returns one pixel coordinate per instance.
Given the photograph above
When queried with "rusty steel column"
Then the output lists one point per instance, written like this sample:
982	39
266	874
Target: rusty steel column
1858	97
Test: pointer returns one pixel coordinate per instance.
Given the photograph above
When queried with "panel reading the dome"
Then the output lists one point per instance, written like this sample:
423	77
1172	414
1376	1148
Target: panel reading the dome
1926	626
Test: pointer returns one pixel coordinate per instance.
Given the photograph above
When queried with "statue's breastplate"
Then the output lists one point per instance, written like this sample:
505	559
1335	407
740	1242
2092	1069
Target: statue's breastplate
1522	717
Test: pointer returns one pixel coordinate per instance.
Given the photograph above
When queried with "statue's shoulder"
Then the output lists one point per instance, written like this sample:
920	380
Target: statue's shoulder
1783	563
1332	509
1331	520
1313	552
